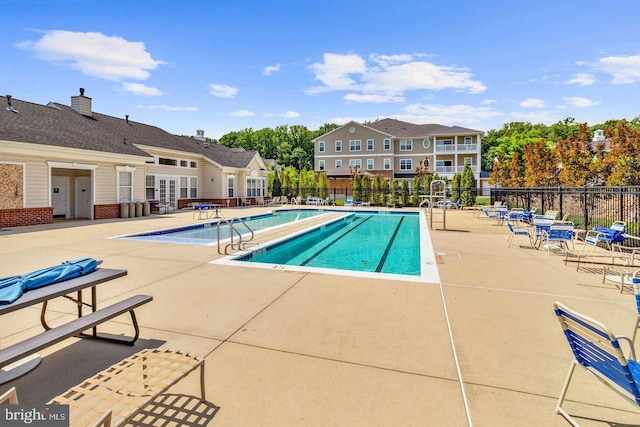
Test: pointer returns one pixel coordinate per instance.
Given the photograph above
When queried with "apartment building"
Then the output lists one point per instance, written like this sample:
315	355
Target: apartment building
395	149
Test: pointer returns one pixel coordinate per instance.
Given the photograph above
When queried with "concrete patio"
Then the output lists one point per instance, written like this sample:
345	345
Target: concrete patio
482	348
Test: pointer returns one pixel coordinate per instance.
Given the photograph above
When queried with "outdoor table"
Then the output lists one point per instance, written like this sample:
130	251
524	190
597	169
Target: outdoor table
47	293
215	210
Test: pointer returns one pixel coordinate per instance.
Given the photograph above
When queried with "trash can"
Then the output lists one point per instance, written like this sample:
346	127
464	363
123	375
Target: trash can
138	208
146	209
132	210
124	210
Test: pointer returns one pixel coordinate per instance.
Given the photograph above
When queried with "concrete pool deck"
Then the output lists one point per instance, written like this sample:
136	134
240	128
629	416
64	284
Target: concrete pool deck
481	348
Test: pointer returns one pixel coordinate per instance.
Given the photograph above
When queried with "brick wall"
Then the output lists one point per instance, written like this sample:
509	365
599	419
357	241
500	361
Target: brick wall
25	216
106	211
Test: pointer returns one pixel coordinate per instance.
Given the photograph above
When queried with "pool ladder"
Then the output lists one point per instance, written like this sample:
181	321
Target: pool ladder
241	244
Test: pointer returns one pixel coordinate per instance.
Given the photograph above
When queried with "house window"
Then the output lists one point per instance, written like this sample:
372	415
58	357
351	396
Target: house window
193	186
406	164
369	144
426	143
369	164
150	187
467	140
387	144
355	163
167	162
184	163
406	145
193	165
184	187
338	164
447	142
321	165
468	161
321	146
355	145
338	145
231	181
254	187
125	183
387	164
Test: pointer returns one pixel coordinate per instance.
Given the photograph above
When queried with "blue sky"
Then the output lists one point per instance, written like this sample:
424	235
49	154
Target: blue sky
229	65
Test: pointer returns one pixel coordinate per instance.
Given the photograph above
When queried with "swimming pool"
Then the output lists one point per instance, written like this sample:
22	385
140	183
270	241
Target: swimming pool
367	244
207	233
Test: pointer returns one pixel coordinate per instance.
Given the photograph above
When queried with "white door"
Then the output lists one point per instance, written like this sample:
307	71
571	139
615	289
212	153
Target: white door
167	192
60	195
83	197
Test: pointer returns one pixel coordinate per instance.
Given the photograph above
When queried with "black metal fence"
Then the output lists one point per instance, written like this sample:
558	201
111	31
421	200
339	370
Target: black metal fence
587	207
386	197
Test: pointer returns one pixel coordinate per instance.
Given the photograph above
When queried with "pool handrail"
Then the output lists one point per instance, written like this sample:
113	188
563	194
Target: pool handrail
232	229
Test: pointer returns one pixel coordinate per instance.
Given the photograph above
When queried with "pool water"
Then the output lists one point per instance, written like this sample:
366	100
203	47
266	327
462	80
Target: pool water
362	242
207	233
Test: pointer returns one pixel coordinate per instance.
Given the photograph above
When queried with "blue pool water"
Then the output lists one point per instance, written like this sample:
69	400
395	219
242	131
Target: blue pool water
363	242
202	234
366	242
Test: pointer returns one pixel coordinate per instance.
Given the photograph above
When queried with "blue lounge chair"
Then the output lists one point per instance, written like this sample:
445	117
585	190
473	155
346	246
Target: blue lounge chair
518	231
606	236
560	234
598	351
635	280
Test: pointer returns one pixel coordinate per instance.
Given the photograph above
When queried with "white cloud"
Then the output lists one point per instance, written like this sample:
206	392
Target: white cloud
94	54
271	69
582	79
540	116
140	89
577	101
385	78
532	103
222	91
166	107
374	98
488	102
242	113
290	114
446	114
623	69
335	72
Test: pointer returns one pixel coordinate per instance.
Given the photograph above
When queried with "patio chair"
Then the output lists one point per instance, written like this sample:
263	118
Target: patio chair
518	231
560	233
635	280
598	351
606	236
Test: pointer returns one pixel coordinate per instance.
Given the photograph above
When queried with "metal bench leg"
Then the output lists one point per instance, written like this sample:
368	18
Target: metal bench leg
130	342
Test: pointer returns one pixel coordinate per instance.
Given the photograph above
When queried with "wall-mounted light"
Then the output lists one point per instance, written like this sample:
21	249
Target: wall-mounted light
17	192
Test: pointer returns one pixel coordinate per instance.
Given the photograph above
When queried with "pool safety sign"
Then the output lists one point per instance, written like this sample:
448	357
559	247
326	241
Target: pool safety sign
34	415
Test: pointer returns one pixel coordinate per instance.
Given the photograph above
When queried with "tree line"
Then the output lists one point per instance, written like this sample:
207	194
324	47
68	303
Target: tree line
526	155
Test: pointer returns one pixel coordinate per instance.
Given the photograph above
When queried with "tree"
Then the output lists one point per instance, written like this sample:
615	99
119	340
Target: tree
540	165
468	185
323	185
276	188
456	184
514	174
405	192
574	158
624	157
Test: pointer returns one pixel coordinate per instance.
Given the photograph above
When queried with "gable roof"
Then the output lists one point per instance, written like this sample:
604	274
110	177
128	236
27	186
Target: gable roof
402	129
59	125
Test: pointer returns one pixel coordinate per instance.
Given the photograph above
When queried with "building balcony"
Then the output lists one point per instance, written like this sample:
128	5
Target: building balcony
455	148
450	170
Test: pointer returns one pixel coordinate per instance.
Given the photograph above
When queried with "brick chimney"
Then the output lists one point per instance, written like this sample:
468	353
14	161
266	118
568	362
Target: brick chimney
81	104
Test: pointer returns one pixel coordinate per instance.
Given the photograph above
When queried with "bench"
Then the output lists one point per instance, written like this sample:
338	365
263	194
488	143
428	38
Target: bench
73	328
113	397
76	327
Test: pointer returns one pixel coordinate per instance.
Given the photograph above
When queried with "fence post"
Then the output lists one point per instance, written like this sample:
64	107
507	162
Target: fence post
586	209
621	206
560	199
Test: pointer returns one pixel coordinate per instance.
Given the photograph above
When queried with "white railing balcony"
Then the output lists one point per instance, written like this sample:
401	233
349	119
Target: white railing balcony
453	169
456	148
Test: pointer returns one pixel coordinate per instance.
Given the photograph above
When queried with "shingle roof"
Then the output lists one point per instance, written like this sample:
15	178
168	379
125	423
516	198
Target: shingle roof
59	125
402	129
